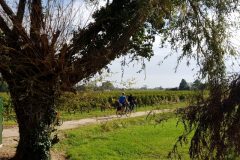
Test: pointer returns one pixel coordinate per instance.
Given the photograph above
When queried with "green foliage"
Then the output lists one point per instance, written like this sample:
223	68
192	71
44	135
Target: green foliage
205	38
8	113
107	86
92	100
198	85
83	102
183	85
42	141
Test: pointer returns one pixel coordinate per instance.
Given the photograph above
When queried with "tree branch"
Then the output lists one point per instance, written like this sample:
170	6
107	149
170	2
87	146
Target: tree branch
90	63
4	27
7	9
21	10
36	20
21	31
83	38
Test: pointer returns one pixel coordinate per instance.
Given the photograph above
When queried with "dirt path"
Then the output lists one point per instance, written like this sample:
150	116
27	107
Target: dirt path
10	135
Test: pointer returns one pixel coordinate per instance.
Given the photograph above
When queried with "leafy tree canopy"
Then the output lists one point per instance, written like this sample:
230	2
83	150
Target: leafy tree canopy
107	85
198	85
183	85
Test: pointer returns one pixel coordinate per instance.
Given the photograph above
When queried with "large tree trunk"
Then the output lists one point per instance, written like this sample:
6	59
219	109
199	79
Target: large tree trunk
35	112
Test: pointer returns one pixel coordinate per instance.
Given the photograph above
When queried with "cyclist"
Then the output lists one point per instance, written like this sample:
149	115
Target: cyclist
132	102
123	100
123	108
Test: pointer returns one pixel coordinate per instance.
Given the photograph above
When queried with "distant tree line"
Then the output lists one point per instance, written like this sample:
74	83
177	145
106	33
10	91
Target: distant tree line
196	85
108	85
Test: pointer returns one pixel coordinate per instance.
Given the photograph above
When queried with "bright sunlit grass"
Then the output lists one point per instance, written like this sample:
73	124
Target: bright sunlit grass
132	139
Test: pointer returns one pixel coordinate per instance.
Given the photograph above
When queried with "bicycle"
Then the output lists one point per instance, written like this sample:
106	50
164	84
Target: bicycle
123	110
132	106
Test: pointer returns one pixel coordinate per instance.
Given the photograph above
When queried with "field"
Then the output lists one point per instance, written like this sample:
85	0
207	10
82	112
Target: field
96	103
135	138
86	101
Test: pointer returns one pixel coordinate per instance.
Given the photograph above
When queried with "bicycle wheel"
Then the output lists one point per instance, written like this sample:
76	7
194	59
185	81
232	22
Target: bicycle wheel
132	107
128	112
118	113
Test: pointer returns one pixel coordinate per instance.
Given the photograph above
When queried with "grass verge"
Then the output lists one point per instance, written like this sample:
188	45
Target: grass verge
134	138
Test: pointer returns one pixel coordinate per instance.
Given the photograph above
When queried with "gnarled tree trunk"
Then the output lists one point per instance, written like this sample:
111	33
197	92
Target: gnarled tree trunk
35	115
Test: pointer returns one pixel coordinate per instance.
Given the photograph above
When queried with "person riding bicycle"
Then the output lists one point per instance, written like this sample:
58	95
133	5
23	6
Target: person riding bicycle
131	101
122	100
123	107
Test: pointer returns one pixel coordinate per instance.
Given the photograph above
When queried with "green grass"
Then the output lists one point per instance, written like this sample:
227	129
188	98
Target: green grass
4	95
9	123
130	139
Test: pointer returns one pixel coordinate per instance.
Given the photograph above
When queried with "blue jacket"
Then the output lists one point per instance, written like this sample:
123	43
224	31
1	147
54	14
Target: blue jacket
122	99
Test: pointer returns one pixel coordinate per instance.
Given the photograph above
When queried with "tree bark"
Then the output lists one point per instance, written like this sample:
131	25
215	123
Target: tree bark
35	115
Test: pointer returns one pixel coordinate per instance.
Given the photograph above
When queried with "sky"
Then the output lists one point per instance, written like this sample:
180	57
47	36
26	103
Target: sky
156	74
162	74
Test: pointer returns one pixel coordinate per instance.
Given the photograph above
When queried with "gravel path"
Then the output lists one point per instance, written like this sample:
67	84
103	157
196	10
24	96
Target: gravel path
11	135
13	132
